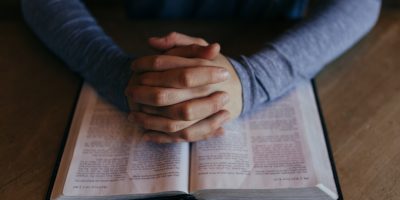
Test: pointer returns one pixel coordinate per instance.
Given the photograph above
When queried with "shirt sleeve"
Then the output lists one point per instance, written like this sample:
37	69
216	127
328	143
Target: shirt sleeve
68	30
301	52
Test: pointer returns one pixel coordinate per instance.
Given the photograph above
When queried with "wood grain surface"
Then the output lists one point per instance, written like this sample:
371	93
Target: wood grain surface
359	93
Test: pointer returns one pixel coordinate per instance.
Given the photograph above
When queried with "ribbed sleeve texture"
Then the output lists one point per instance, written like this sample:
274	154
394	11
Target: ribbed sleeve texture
68	29
304	50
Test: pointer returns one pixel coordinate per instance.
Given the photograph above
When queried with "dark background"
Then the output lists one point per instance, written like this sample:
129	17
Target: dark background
10	9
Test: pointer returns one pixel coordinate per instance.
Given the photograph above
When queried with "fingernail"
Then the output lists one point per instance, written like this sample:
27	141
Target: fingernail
224	74
225	99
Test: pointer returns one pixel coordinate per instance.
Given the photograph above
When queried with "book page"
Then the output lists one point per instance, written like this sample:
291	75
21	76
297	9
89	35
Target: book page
267	150
316	143
110	158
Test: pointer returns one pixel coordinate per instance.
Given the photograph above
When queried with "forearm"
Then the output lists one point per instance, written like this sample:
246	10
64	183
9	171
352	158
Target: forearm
68	29
303	51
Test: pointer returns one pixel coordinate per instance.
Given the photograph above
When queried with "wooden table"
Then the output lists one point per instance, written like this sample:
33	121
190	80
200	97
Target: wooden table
359	92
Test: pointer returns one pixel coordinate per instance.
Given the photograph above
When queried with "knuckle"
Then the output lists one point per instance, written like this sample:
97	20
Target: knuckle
185	79
157	62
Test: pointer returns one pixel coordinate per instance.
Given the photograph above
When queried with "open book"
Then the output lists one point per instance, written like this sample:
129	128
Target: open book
278	153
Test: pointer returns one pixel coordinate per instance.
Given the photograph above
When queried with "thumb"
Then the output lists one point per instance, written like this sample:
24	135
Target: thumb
174	39
209	52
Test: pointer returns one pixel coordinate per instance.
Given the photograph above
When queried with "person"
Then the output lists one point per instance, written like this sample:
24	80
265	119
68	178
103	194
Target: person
188	92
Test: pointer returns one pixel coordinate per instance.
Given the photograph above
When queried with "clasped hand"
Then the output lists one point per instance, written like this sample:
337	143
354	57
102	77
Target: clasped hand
185	94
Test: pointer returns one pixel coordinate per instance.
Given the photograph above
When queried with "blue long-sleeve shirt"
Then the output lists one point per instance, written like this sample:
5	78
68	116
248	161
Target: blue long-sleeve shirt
69	30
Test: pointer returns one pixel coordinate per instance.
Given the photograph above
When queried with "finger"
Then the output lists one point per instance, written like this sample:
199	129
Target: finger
174	39
157	96
166	62
133	81
160	137
194	109
219	132
188	77
196	51
157	123
206	128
